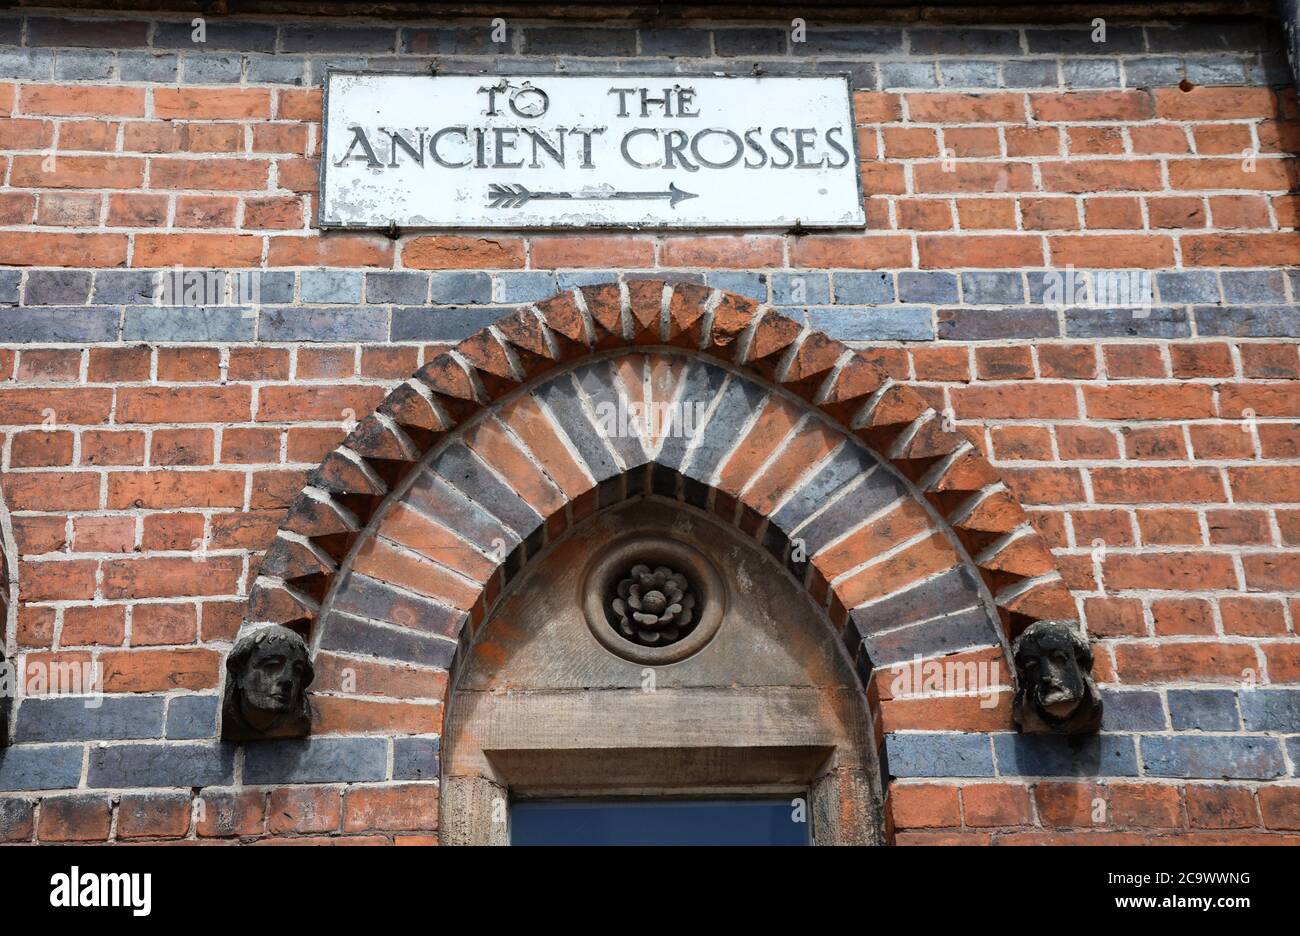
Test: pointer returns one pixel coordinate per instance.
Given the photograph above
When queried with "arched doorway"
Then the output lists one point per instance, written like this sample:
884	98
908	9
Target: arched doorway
553	702
408	536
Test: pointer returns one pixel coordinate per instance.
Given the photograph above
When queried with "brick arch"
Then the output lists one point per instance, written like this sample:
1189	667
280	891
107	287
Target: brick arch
412	480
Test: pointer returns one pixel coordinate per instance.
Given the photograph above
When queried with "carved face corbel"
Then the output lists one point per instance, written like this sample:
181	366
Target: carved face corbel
1055	692
267	675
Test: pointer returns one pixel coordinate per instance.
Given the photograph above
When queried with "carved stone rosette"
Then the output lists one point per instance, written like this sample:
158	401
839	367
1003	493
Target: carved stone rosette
653	600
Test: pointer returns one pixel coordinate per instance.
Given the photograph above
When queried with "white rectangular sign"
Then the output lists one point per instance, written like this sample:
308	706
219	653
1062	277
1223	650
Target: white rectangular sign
560	151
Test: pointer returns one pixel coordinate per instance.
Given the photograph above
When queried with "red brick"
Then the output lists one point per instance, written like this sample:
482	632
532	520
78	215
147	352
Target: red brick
924	806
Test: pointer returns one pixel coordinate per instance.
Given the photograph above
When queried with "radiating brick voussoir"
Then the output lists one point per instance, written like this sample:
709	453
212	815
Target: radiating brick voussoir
645	300
292	560
770	339
527	335
372	438
731	317
686	315
605	304
271	602
452	385
490	359
317	516
808	365
1045	600
340	474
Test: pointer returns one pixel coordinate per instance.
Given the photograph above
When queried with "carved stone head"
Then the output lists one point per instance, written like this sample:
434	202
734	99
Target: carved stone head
1055	693
267	675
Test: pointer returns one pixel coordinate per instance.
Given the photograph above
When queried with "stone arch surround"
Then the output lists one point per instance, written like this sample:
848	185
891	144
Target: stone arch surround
412	528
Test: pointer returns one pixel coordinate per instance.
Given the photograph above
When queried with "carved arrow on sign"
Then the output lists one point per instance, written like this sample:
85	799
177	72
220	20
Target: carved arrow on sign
512	196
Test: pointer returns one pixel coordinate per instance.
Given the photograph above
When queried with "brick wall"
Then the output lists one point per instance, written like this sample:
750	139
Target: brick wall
150	451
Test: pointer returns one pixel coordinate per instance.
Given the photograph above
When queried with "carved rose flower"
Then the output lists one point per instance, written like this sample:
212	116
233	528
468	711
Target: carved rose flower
654	607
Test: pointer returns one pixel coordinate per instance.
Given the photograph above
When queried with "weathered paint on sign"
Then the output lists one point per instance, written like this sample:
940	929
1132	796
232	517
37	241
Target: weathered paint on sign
586	151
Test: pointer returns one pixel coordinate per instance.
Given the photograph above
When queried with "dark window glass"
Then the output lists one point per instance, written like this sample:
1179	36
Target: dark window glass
660	822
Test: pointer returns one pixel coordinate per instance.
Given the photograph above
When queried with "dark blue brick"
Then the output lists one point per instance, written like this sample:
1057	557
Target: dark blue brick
162	765
992	288
57	287
83	65
1241	34
1209	757
871	323
1216	69
987	324
78	324
365	597
1106	755
124	287
864	41
922	286
349	634
452	40
107	33
753	285
40	766
180	323
399	288
719	435
322	324
573	279
847	464
562	399
1153	72
959	630
860	501
1132	711
191	717
800	288
71	718
1248	321
316	760
1091	73
1271	710
1126	323
415	758
939	755
1203	709
700	385
956	588
274	287
26	63
579	40
147	66
1029	73
598	384
277	69
419	323
531	286
218	34
755	41
864	288
908	75
965	73
462	470
964	41
212	68
1249	286
330	287
1119	40
325	39
1188	287
460	288
10	280
670	42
